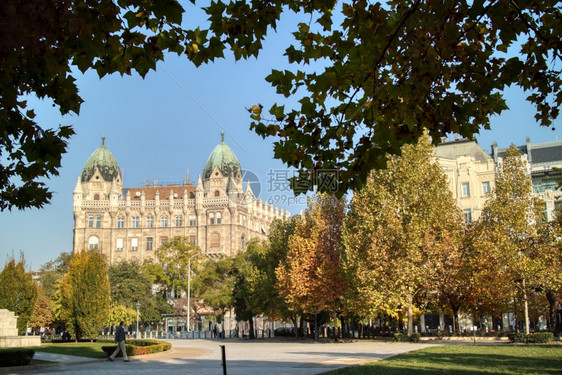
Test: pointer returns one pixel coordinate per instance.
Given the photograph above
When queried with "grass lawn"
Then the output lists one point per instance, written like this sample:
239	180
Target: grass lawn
82	349
465	359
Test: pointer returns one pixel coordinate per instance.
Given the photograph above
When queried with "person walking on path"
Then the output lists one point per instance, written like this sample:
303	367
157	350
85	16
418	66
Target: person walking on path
120	339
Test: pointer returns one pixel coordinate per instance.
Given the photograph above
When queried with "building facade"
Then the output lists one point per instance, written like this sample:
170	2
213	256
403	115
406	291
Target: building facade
545	167
470	172
217	214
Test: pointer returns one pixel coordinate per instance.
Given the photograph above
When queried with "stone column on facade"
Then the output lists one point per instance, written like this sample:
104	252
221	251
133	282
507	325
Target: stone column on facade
171	203
114	196
185	206
200	215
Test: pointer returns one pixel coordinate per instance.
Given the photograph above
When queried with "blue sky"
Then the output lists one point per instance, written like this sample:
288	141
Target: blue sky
166	125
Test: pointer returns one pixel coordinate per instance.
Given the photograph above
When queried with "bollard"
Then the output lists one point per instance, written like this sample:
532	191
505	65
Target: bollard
223	351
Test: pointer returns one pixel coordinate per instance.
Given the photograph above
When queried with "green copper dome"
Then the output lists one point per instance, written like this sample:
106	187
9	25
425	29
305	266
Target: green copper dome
103	160
222	157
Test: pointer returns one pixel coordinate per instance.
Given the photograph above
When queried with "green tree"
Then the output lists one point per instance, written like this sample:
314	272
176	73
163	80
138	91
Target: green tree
130	284
213	284
42	40
266	258
512	225
120	313
387	72
244	301
396	232
85	294
18	292
310	280
51	272
173	257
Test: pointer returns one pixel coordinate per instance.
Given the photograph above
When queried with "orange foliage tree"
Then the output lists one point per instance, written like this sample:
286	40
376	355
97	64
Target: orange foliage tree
310	280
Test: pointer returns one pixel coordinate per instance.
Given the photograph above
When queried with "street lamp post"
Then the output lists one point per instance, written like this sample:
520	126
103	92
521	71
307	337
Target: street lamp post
138	307
189	290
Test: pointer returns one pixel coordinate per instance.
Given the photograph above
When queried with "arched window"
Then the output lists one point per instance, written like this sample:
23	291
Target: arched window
215	240
217	193
242	242
164	221
97	197
93	243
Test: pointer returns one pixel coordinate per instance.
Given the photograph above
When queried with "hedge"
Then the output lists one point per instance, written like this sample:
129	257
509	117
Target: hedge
139	347
531	338
403	337
64	341
15	357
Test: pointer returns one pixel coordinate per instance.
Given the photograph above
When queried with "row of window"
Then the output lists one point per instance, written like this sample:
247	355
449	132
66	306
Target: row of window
465	189
215	242
93	243
135	221
214	218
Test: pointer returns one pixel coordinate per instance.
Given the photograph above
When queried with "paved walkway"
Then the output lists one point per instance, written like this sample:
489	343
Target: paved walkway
203	357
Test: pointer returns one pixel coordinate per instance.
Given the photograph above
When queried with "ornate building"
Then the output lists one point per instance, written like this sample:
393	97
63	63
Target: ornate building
471	173
216	214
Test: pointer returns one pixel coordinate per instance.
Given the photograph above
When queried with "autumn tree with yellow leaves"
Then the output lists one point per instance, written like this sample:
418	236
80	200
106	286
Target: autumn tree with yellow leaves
397	231
513	230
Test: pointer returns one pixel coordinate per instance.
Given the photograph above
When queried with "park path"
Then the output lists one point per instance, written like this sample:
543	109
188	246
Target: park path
203	357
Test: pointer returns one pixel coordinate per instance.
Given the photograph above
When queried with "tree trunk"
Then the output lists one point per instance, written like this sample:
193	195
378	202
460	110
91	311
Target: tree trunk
295	326
551	298
410	314
251	335
455	307
526	307
301	325
515	316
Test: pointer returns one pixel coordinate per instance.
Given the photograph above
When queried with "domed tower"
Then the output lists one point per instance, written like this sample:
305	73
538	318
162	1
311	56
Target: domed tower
96	197
222	166
99	173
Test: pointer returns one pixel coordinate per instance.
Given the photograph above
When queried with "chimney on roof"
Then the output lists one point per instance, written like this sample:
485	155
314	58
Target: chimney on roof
495	152
529	155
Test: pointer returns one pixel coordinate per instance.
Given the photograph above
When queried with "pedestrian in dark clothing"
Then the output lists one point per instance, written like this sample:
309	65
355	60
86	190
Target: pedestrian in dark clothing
120	339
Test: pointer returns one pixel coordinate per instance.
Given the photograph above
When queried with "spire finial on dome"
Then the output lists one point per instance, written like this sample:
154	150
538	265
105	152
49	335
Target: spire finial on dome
222	136
103	140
